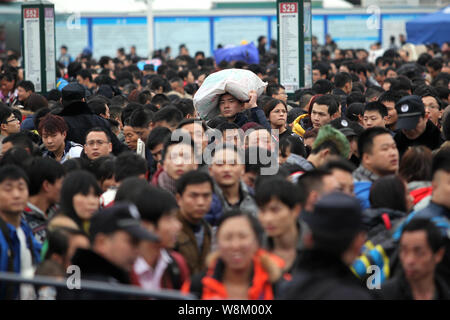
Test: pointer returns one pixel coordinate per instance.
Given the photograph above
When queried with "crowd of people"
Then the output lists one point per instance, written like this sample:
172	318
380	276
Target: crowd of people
114	172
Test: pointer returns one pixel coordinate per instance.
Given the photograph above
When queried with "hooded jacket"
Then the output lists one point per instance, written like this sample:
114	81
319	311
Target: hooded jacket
80	119
265	275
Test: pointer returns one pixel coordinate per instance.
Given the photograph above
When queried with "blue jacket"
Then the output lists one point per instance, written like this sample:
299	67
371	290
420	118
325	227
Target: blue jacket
362	192
28	123
215	212
16	249
437	213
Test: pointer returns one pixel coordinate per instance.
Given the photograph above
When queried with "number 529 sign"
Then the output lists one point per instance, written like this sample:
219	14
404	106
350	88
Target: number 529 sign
289	7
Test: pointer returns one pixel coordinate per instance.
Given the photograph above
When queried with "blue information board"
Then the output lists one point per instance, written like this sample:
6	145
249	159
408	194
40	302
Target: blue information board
318	28
105	35
193	32
73	33
109	34
352	31
234	30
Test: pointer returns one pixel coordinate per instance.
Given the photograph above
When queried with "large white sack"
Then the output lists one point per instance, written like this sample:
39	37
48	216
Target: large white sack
237	82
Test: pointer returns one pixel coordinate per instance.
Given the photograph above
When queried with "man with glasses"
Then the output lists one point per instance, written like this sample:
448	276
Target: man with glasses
97	144
433	105
9	124
277	91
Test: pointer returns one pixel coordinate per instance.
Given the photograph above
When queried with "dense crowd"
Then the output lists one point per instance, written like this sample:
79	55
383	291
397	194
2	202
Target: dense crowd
339	191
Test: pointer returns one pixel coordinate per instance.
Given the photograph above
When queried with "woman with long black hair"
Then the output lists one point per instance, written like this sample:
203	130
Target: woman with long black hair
80	198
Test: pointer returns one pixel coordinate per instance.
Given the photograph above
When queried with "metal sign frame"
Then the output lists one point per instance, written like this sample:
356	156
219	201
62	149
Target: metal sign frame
42	8
303	10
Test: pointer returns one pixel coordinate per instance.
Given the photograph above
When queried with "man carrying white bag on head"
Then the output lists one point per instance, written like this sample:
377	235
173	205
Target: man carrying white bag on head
230	95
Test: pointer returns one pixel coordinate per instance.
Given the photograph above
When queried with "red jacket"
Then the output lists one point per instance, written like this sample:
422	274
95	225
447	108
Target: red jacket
266	270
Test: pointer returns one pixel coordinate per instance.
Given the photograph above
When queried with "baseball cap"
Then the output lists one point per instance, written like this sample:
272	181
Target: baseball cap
409	110
335	214
73	91
346	123
348	132
122	216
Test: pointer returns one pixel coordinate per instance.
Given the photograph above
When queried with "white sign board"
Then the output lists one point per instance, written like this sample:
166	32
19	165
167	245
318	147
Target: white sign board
50	58
307	37
32	52
289	46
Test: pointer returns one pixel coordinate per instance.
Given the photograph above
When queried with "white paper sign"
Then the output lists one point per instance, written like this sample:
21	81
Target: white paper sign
308	82
50	48
289	48
32	50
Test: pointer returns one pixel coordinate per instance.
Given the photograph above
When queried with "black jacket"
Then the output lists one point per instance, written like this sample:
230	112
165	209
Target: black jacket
96	268
251	115
398	288
343	99
431	138
373	219
80	119
320	276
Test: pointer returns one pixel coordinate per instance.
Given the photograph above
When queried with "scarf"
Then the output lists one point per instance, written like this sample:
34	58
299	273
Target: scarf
167	183
363	174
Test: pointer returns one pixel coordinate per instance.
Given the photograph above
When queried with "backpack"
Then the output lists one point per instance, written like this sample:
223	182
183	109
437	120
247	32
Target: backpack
380	250
174	272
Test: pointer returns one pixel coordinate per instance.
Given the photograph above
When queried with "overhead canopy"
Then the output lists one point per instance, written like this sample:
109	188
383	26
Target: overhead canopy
129	6
434	27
